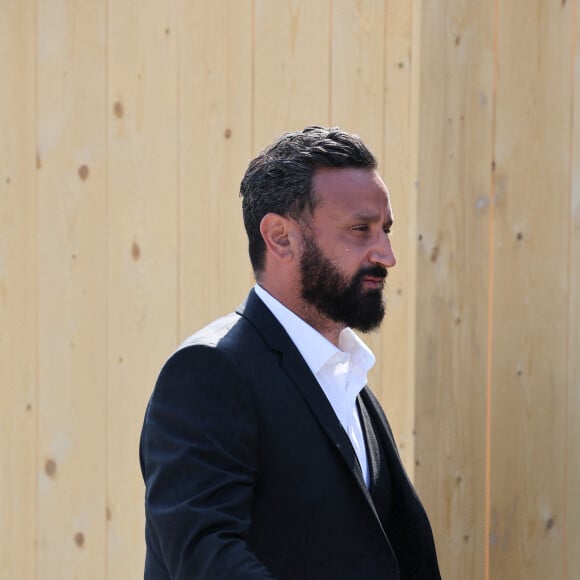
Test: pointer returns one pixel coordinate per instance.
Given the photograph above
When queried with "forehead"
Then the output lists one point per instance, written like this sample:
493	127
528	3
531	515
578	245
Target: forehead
351	190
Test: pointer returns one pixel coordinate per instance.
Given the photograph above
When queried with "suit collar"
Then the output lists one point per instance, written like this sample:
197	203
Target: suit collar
260	317
273	333
315	348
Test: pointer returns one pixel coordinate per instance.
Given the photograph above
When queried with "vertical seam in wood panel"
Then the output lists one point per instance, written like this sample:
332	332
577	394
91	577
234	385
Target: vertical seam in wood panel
179	192
330	37
383	85
414	124
36	157
490	297
108	297
568	338
253	87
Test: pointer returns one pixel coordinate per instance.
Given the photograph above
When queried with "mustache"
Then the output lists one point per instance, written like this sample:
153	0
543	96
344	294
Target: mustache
375	271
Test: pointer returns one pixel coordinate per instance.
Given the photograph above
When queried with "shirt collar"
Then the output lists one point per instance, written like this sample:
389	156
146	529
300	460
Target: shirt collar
362	355
315	348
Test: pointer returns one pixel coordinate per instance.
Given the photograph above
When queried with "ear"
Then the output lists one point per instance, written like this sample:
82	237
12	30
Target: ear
278	233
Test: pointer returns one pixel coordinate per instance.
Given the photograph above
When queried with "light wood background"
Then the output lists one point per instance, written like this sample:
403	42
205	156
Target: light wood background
125	128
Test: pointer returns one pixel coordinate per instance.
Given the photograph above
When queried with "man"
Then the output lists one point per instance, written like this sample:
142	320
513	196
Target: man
264	453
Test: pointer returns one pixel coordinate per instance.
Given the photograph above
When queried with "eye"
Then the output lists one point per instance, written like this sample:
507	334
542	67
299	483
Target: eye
361	228
387	230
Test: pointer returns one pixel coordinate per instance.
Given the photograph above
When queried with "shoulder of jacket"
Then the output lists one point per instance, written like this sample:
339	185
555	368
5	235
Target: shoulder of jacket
211	334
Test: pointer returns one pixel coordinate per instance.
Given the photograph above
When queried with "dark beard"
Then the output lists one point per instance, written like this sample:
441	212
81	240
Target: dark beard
342	300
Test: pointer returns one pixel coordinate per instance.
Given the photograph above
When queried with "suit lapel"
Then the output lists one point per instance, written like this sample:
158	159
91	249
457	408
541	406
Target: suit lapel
295	367
388	441
255	311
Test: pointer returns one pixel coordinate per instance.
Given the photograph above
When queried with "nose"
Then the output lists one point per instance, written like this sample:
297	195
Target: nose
382	252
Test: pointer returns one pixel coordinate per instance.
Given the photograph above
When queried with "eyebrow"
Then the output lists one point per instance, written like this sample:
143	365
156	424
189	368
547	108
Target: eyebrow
370	217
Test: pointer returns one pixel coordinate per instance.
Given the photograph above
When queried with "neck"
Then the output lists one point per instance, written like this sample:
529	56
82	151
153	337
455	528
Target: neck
321	323
309	313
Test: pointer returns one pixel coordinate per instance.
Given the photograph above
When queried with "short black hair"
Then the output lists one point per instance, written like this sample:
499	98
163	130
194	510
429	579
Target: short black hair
279	179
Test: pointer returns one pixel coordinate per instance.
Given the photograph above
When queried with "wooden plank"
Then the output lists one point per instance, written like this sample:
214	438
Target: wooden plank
455	155
18	361
72	307
357	69
291	67
531	327
572	510
399	166
143	153
215	133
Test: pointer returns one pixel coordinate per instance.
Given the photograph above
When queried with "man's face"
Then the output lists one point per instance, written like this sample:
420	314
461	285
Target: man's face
346	249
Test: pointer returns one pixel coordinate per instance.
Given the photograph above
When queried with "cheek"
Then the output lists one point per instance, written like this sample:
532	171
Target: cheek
344	253
350	262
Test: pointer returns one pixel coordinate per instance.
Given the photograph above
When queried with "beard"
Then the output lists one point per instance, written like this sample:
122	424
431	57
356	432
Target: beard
337	297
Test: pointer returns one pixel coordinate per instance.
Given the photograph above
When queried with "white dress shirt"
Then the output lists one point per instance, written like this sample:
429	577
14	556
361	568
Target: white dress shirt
341	372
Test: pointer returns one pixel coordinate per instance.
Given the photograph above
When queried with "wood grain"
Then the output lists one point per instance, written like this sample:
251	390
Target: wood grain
358	69
18	291
291	67
215	85
72	300
142	283
572	459
453	227
530	372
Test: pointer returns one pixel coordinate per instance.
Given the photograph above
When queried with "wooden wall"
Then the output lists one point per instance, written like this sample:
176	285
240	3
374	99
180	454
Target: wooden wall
497	345
125	128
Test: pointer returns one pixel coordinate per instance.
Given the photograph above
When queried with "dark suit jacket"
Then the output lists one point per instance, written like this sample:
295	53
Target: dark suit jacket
249	474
